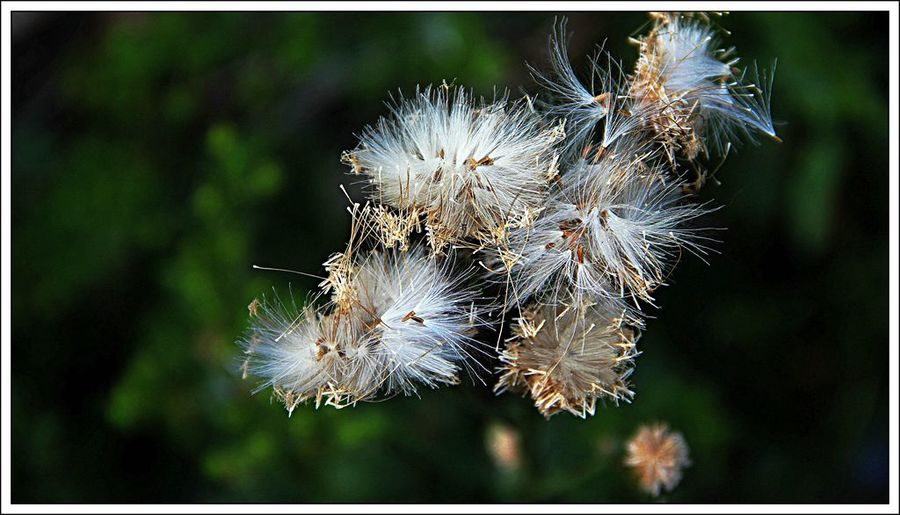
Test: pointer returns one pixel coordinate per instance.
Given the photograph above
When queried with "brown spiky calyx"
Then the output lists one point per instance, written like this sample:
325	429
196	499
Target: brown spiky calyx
567	360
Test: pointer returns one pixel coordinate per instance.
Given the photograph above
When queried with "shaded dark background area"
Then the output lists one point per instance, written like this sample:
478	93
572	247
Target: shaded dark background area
156	157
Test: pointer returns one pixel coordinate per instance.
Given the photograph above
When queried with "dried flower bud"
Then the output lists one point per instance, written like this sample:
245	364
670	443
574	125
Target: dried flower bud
567	360
657	456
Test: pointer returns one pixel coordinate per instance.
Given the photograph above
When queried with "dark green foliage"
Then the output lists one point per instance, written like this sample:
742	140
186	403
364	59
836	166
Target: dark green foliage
156	157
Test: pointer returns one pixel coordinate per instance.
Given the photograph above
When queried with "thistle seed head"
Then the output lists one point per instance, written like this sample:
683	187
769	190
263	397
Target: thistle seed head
577	205
612	231
422	316
286	350
468	166
396	321
693	94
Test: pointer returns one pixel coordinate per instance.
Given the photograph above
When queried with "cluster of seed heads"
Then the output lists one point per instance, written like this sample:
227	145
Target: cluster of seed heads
526	235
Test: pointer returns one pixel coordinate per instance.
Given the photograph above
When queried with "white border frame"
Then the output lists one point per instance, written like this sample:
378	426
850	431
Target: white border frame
5	277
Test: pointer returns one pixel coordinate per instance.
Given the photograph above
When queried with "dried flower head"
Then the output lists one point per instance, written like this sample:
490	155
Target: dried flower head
613	231
398	321
658	457
568	359
422	316
469	166
694	95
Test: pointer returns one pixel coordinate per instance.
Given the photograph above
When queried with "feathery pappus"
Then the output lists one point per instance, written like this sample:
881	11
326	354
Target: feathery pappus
399	321
696	97
605	100
612	231
469	166
579	202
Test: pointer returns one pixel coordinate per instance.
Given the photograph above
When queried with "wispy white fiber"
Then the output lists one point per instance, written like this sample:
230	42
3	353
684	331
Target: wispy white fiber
532	232
470	166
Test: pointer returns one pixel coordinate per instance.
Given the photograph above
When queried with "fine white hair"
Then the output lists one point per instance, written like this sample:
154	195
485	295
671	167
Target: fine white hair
578	203
611	232
410	323
682	56
423	317
584	107
470	166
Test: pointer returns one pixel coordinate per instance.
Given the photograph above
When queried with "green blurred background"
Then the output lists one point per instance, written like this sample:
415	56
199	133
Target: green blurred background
156	157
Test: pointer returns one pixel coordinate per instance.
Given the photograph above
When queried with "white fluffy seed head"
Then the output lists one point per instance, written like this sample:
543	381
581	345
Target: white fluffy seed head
612	231
567	359
283	351
469	166
605	99
582	248
422	316
690	86
399	320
